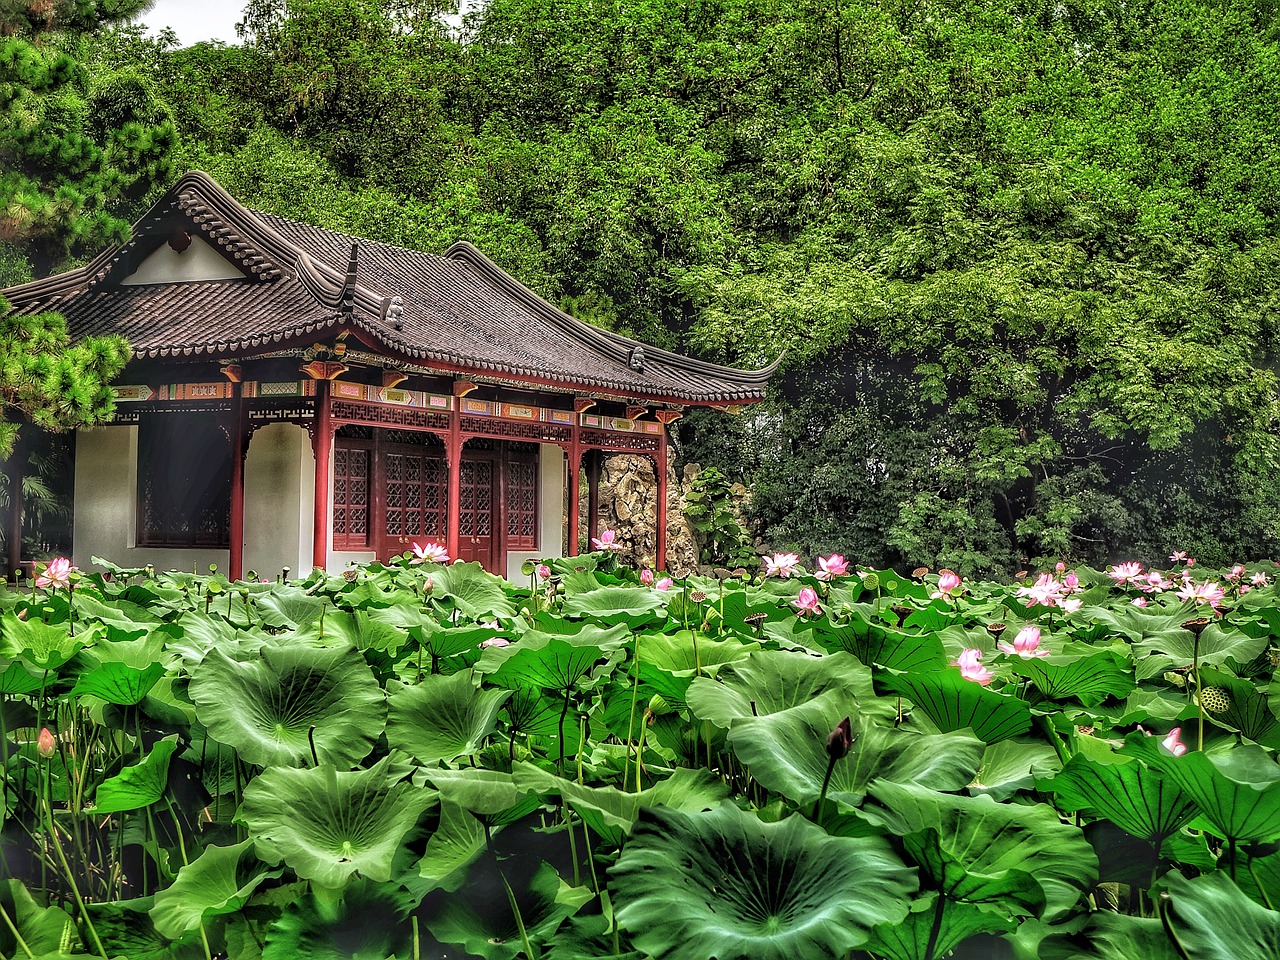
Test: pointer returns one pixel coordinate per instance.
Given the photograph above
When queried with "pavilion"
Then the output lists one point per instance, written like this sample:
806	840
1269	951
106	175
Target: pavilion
297	397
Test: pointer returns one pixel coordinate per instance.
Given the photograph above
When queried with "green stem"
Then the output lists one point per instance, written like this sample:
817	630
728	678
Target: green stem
936	929
826	781
16	935
1163	910
631	723
1265	899
71	880
1195	666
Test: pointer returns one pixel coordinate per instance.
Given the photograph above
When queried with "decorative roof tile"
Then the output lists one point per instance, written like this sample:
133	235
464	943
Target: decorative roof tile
458	312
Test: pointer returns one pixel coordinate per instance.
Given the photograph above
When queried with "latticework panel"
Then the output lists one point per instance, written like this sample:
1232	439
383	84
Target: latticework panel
380	414
623	442
536	432
521	505
351	482
416	492
475	516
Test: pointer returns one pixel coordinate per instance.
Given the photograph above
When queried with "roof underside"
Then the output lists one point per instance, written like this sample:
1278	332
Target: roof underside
457	312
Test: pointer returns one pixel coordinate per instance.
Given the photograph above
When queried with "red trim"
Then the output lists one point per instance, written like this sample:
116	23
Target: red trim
453	454
593	492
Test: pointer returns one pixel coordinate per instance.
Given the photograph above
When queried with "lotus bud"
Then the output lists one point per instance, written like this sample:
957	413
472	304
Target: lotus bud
45	743
840	740
427	586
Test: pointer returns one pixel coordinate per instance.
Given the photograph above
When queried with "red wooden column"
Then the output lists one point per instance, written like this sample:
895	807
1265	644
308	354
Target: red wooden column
322	444
453	459
574	481
235	559
666	418
17	474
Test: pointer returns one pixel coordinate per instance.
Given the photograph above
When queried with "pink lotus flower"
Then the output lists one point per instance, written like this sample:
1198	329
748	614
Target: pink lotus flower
1060	567
1259	579
646	577
606	541
1072	583
45	744
971	668
1123	573
429	553
1207	592
1236	572
832	566
544	572
1178	556
57	573
1026	644
495	642
663	584
807	602
1138	602
781	565
1153	582
1046	592
947	582
1070	604
1173	744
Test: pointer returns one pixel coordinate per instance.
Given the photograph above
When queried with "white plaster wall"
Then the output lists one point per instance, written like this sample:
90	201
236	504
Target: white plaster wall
106	505
277	501
198	262
551	463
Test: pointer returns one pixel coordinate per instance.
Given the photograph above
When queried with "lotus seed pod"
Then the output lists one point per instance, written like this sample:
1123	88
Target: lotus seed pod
871	581
658	705
697	596
1273	656
1215	699
1085	730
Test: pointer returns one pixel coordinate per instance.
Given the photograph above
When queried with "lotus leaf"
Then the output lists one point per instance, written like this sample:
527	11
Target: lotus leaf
472	591
909	939
138	786
724	884
1133	797
442	718
954	703
219	881
365	922
1213	920
115	682
266	709
328	825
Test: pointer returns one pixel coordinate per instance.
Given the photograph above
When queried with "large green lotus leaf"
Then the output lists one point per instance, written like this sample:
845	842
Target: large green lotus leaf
633	605
138	786
219	881
549	624
881	646
909	939
486	793
365	922
1089	679
1215	921
45	646
787	753
328	825
1238	792
612	813
1131	795
359	630
1218	644
769	681
119	613
18	680
290	607
266	709
126	930
725	884
688	651
442	718
977	850
558	664
454	846
118	683
472	591
1112	936
1011	766
43	928
484	929
954	703
1251	713
443	642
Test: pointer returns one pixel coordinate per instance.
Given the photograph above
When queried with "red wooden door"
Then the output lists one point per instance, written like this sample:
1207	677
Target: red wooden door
415	492
477	538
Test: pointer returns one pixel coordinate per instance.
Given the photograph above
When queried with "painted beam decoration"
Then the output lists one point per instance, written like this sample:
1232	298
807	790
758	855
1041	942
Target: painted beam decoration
392	396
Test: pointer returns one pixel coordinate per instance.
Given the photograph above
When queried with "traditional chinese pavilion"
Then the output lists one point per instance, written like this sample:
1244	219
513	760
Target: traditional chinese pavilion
299	397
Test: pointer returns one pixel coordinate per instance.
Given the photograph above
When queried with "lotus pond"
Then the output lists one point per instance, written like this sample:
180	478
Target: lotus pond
419	760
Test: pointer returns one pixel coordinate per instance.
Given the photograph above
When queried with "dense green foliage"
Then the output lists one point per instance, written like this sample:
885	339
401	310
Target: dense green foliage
416	760
1023	257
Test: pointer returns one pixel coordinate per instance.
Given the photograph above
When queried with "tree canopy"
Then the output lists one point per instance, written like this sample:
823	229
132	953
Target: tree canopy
1022	257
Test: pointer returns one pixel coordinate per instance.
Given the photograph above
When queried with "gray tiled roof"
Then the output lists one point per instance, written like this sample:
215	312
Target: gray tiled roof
458	312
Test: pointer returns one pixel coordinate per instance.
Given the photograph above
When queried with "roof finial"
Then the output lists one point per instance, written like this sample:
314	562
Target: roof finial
347	303
636	360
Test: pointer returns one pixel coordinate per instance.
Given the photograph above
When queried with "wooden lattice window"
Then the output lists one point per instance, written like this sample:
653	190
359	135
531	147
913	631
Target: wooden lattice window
184	481
352	473
522	504
416	493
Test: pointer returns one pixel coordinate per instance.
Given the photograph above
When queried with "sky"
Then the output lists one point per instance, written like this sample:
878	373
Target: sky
196	20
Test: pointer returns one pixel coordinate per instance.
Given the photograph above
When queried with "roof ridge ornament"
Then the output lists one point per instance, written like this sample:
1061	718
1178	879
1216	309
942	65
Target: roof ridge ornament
348	298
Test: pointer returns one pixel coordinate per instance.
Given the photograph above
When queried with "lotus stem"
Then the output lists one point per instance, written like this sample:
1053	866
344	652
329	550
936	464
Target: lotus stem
22	944
936	929
1261	889
311	739
1162	909
417	939
635	688
563	714
826	782
66	870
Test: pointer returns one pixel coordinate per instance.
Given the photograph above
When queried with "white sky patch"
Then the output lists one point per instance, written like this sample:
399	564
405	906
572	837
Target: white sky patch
196	20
